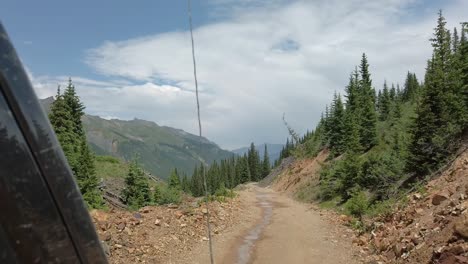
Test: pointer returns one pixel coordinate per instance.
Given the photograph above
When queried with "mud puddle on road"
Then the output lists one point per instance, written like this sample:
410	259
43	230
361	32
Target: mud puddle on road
254	234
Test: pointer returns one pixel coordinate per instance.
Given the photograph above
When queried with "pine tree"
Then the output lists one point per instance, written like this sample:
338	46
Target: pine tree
411	88
327	124
463	51
378	104
254	163
455	41
185	185
385	104
76	108
212	177
157	194
232	181
367	115
174	180
266	163
393	93
352	113
437	126
197	187
87	179
61	120
352	142
456	100
65	118
352	92
338	127
136	193
244	170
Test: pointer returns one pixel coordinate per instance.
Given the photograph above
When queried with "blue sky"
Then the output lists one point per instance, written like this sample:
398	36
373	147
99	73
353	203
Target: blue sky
52	35
257	59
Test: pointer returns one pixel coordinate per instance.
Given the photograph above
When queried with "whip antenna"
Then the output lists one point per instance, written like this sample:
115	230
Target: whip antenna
200	131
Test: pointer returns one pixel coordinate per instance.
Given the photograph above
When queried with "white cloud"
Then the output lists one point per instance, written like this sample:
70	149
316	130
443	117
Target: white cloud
164	104
261	61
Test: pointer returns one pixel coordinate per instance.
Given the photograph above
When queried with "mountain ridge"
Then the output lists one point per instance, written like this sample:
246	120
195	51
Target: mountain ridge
160	149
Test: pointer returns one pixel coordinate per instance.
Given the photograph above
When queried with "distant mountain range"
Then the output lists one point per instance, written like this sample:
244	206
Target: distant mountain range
274	151
160	148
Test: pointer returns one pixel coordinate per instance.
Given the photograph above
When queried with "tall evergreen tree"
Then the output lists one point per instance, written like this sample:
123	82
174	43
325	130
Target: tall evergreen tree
61	120
197	187
368	116
254	163
266	163
244	170
385	103
463	51
353	105
455	41
65	117
157	194
353	144
378	104
87	178
437	126
338	127
76	108
174	180
352	92
411	88
185	184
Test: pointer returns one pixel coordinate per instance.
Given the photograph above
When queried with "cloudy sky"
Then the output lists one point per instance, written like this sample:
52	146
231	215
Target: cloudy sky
257	59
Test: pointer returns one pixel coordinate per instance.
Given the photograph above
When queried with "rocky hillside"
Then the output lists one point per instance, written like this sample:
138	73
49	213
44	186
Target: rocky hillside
160	148
427	225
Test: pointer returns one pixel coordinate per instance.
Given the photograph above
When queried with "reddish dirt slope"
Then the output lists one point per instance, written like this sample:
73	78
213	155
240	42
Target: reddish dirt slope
300	173
432	227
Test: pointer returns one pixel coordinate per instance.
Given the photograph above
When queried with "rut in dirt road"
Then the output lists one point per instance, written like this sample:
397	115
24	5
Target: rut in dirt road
263	201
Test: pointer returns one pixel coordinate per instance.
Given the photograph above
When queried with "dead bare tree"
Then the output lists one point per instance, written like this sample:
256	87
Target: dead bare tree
291	131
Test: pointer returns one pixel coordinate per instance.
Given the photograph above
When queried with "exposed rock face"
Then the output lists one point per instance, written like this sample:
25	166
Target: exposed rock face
438	198
461	227
431	228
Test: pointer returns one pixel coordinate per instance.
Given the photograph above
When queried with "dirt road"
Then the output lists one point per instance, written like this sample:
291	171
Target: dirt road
277	229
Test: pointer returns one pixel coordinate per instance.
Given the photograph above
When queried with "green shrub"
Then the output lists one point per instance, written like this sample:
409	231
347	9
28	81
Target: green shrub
164	195
222	191
380	173
358	204
382	208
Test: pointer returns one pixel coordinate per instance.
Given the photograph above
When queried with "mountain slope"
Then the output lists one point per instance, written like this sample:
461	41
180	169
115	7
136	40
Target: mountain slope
273	151
160	149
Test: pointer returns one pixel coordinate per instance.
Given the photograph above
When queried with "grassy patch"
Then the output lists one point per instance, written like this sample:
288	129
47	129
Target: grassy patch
331	204
110	167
